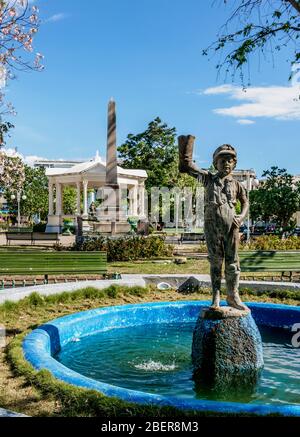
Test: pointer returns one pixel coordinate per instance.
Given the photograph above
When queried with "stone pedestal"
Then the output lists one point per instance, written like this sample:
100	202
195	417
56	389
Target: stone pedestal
227	349
108	227
54	223
85	225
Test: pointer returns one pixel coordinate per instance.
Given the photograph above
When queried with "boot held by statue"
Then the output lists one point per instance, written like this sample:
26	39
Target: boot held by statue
186	146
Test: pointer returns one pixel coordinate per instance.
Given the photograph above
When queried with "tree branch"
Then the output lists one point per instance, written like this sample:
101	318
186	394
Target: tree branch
295	4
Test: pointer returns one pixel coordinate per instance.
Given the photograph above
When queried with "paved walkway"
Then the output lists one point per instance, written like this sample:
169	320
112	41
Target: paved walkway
65	240
15	294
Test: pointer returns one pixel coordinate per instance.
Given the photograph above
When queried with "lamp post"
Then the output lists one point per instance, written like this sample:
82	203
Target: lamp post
18	201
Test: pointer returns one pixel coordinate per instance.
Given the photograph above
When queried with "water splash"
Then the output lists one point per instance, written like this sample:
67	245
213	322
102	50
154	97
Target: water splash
154	366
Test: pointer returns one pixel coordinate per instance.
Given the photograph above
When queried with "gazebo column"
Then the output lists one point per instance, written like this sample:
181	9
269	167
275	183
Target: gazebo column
50	206
91	197
85	200
141	211
134	209
78	198
130	202
58	209
54	220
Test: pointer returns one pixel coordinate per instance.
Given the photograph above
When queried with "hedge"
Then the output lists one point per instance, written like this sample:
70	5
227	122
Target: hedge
127	248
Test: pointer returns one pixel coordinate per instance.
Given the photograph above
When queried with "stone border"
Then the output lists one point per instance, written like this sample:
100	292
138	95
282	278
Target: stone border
18	293
42	343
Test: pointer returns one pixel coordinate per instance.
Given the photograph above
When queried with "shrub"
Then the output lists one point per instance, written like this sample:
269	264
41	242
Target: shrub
265	242
202	248
35	299
39	227
3	226
272	242
112	291
59	247
127	248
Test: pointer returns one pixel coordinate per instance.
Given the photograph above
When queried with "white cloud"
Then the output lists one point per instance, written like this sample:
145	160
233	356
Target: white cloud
11	152
279	102
56	17
245	121
29	160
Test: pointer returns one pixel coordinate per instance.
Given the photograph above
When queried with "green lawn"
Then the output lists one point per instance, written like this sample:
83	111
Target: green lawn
194	266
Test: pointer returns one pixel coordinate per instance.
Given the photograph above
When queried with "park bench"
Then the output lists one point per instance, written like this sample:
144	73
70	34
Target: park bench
285	262
31	236
18	236
44	236
173	239
35	263
17	229
192	236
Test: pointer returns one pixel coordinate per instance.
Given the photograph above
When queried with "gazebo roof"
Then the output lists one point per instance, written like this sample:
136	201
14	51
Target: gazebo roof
93	165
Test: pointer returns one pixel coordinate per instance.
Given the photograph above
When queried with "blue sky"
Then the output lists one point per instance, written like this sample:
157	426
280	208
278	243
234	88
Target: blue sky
147	55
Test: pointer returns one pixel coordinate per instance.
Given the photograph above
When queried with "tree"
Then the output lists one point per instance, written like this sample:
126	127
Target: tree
257	209
12	175
18	25
35	187
278	198
4	129
154	150
69	200
263	26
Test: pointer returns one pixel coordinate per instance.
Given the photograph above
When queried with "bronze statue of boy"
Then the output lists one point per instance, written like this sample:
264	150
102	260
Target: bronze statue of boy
221	223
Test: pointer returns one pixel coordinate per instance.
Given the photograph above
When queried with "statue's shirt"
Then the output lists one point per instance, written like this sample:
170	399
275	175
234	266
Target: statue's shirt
221	195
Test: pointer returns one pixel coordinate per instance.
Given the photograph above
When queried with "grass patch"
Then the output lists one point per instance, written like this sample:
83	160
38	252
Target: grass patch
192	266
42	308
278	295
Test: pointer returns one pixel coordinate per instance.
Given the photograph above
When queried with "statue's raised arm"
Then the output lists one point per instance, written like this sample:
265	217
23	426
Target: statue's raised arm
186	163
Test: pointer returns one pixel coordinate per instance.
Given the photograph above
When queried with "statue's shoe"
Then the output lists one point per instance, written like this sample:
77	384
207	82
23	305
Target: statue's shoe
215	303
235	302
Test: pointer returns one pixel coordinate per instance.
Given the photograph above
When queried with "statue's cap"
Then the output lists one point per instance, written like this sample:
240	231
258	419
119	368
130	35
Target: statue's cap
225	149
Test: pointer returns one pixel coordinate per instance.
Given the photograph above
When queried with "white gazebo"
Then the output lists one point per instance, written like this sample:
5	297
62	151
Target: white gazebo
89	178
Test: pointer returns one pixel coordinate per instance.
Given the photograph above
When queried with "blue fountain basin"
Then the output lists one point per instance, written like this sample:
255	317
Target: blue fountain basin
42	344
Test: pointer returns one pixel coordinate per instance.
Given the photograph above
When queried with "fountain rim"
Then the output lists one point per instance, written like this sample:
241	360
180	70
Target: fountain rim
39	344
